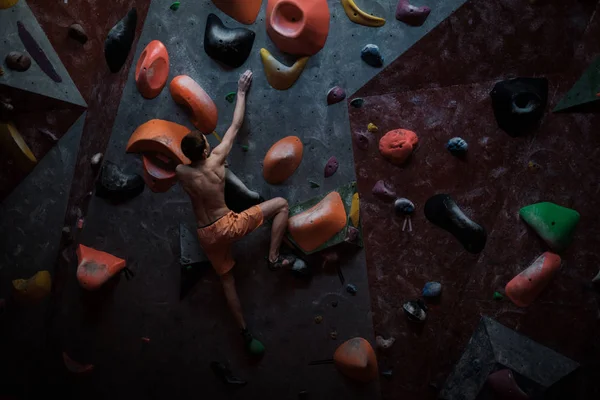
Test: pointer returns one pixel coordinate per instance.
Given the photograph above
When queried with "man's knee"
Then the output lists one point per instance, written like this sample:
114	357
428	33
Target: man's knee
282	204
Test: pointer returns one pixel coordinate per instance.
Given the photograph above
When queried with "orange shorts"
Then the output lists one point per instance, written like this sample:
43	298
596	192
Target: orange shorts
216	239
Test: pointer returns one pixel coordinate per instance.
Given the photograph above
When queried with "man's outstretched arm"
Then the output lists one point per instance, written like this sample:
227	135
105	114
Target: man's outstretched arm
223	149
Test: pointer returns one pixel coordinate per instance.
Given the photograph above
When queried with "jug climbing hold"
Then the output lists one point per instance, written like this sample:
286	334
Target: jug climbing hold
75	367
519	104
159	172
432	289
298	26
119	41
282	160
4	4
244	11
314	227
230	46
372	56
356	359
524	288
279	76
117	186
32	290
335	95
202	110
355	210
554	224
442	211
360	17
36	52
457	146
361	139
357	102
415	310
17	61
505	387
13	146
411	15
331	166
159	136
225	374
397	145
96	267
383	191
77	33
152	69
384	344
372	127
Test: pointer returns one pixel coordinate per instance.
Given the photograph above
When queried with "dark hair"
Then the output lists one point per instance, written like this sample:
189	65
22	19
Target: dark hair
193	146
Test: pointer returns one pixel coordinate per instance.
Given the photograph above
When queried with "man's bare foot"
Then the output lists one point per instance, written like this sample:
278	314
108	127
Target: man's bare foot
281	261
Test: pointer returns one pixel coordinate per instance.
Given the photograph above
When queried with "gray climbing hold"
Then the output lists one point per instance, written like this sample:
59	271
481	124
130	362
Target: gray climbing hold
372	56
415	310
432	289
300	269
457	146
384	344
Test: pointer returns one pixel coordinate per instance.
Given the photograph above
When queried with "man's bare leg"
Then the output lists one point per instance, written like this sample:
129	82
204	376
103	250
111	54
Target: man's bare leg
277	209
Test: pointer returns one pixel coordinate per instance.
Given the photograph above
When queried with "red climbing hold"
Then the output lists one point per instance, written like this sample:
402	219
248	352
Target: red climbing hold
524	288
96	267
75	367
398	145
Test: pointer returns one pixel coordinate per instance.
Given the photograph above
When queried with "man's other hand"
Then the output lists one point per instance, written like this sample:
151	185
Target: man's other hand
244	82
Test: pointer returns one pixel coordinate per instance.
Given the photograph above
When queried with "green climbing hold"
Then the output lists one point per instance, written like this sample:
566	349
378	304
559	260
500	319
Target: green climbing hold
256	348
498	296
245	148
357	102
554	224
314	184
585	90
230	97
175	6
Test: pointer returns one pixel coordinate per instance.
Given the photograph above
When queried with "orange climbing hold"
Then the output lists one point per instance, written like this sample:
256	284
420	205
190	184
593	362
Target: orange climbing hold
159	172
159	136
152	69
356	359
282	159
398	145
524	288
202	110
75	367
315	226
298	26
244	11
96	267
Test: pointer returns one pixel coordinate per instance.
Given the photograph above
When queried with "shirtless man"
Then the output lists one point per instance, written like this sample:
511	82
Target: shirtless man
219	227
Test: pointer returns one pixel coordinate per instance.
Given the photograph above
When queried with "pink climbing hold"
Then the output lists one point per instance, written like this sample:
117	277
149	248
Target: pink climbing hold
383	192
361	139
505	386
524	288
411	15
331	166
335	95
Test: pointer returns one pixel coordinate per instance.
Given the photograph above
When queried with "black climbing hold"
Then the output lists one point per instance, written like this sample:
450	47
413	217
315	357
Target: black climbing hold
404	206
519	104
350	288
119	41
237	196
300	269
76	32
357	102
387	373
116	186
416	310
36	52
443	212
230	46
225	375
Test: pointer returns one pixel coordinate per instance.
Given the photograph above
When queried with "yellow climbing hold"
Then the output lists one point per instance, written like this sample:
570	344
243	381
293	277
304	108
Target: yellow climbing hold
279	76
34	289
358	16
372	127
7	3
355	210
12	143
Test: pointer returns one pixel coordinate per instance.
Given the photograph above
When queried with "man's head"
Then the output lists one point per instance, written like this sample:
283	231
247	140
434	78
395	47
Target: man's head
195	146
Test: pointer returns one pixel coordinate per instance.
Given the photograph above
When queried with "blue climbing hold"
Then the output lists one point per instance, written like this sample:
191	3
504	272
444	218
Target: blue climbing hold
404	206
457	146
371	55
432	289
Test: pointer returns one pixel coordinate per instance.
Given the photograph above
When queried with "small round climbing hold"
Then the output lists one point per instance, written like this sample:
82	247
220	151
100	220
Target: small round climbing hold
350	288
331	166
357	102
333	335
361	139
175	6
335	95
457	146
404	206
415	310
230	97
372	127
18	61
96	159
397	145
384	344
372	56
318	319
77	33
432	289
498	296
300	269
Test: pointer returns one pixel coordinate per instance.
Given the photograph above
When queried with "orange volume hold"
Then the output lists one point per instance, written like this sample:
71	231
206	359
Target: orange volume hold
152	69
202	110
96	267
282	159
524	288
159	136
244	11
356	359
159	172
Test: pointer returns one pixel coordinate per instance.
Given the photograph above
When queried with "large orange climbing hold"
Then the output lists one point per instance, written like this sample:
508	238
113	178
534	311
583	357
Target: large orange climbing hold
159	136
202	110
298	26
244	11
152	69
159	172
96	267
356	359
524	288
282	159
398	145
34	289
315	226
